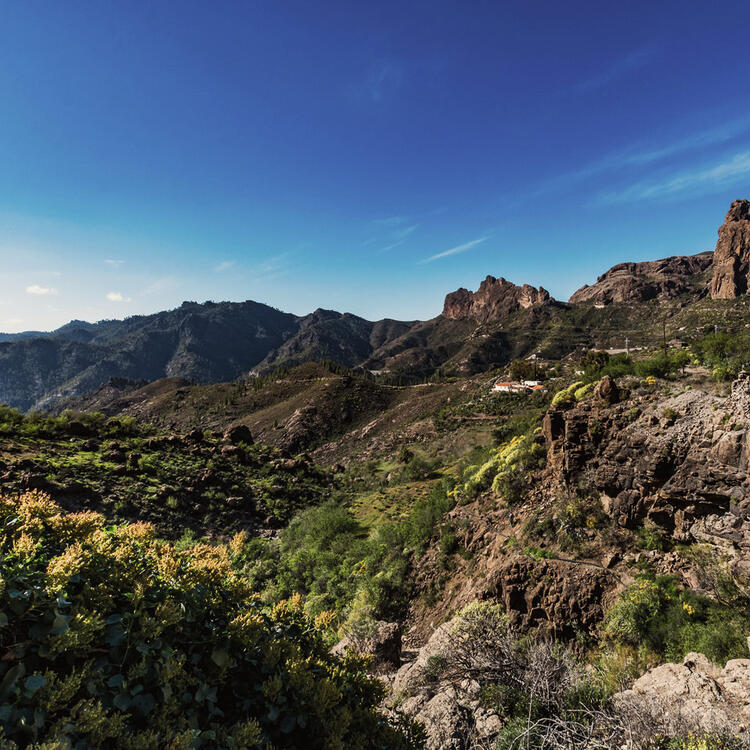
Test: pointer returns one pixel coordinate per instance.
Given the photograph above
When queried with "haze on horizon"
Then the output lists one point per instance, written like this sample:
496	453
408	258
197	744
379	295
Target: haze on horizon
367	158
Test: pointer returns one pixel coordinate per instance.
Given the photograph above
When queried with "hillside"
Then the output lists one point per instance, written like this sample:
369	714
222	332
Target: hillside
204	343
476	332
562	510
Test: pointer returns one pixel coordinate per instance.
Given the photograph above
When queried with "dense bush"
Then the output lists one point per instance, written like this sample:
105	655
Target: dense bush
111	637
671	622
597	364
506	471
339	565
725	353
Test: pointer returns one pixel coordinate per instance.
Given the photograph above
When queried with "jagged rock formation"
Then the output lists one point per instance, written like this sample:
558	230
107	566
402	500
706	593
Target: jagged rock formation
449	716
639	282
494	300
732	257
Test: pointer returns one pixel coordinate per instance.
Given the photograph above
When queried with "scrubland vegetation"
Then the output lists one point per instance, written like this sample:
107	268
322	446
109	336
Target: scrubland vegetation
113	637
182	633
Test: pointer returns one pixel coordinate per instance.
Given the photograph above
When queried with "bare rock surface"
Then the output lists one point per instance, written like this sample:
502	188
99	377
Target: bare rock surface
732	256
639	282
676	460
449	716
712	698
494	300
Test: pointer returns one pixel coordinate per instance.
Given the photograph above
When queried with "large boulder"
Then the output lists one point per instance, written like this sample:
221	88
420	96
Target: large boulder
732	256
607	391
239	433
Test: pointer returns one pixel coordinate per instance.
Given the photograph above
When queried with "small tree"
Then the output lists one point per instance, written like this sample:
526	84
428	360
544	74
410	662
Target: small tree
522	369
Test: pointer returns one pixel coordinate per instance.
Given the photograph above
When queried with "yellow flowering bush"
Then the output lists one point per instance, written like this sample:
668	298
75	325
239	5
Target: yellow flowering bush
506	470
113	637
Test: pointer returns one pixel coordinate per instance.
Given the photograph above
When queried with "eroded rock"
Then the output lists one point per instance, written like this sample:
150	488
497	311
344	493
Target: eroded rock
732	256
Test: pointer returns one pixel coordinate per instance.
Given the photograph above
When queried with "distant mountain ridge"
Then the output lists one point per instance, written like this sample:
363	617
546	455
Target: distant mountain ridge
222	341
203	343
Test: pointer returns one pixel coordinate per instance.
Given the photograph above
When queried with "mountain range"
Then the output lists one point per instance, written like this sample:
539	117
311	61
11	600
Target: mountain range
215	342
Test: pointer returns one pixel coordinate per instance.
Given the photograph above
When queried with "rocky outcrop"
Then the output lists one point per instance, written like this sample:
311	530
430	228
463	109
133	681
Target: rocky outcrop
681	461
696	695
607	391
239	433
639	282
452	715
494	300
550	596
732	257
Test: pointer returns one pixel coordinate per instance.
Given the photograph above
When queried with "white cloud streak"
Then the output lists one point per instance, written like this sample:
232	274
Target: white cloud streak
618	69
40	290
224	266
701	180
117	297
642	155
455	250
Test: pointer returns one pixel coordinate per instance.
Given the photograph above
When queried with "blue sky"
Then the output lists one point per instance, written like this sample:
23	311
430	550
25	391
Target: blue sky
365	157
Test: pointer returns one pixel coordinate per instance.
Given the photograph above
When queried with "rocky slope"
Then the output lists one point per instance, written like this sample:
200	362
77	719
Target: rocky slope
679	461
639	282
732	255
712	699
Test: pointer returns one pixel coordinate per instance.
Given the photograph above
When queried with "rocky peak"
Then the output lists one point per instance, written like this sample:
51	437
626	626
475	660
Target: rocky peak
494	300
639	282
732	257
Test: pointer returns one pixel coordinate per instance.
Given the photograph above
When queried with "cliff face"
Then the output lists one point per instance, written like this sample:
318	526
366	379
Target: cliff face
640	282
732	257
494	300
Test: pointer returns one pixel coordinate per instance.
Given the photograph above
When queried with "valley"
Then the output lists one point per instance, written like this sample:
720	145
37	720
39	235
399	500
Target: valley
269	526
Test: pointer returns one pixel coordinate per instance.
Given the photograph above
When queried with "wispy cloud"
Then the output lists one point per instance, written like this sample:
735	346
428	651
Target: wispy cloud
619	68
384	78
455	250
224	266
379	82
117	297
164	284
114	263
628	161
701	180
36	289
390	232
273	267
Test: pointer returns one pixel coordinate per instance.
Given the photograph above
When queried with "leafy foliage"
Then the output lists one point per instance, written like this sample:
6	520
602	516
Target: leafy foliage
506	471
725	353
113	637
671	622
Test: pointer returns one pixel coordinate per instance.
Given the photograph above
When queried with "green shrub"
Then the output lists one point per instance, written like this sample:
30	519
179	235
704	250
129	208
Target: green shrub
671	621
114	638
725	353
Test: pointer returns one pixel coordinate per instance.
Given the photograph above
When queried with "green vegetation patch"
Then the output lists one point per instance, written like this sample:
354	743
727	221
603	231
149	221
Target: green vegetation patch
111	637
